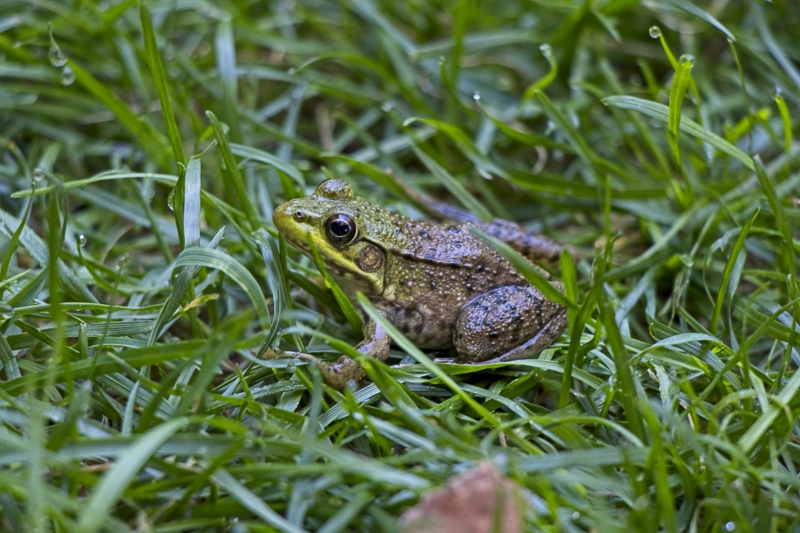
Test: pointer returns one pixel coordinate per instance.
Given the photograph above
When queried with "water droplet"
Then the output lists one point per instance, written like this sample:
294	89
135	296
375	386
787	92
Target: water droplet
777	92
67	76
687	60
546	50
442	59
291	71
576	515
730	526
171	200
476	97
297	93
655	32
148	193
6	311
81	240
387	106
56	56
38	174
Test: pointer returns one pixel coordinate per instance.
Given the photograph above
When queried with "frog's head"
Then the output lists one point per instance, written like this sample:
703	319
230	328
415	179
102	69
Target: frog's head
339	225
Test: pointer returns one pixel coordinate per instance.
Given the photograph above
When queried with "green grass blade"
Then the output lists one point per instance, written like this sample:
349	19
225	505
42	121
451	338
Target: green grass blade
253	503
738	248
162	84
660	112
454	186
235	181
114	483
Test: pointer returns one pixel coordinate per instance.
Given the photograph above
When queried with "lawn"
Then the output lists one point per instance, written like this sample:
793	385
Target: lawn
150	312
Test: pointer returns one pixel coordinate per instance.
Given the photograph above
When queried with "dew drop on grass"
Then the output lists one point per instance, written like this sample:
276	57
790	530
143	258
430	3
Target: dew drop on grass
387	106
476	97
81	240
291	71
687	60
576	515
729	526
655	32
67	76
546	50
56	56
6	311
777	92
38	174
171	200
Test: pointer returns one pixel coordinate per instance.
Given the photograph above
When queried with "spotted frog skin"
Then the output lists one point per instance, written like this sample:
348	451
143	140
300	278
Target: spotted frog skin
437	283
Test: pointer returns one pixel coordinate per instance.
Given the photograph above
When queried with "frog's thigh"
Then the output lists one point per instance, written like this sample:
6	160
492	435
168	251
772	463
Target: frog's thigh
507	323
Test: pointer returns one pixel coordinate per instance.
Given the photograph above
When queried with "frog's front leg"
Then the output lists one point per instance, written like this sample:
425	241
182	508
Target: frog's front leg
508	323
376	344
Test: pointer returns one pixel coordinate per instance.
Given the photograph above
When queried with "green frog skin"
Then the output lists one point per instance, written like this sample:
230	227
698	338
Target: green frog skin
439	285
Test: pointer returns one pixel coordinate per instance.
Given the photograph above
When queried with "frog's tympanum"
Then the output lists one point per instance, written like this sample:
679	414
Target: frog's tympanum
441	286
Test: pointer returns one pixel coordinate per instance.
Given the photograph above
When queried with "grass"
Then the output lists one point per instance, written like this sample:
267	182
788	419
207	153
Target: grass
145	291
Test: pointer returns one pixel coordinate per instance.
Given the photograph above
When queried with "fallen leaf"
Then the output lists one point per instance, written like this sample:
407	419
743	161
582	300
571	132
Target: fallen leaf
480	500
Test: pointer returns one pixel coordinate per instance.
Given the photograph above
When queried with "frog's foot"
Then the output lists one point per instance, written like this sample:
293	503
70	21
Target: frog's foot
336	374
376	344
342	371
508	323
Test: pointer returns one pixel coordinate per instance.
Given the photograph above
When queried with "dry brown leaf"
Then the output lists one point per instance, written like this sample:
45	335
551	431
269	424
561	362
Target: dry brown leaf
480	500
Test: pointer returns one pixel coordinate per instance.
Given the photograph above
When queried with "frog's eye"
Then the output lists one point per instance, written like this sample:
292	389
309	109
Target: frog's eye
340	229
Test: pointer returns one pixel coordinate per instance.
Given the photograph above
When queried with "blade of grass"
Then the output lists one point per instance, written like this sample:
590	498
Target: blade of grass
235	183
116	480
660	112
738	248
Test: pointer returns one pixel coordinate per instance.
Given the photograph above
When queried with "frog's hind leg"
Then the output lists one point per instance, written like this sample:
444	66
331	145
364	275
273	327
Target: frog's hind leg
507	323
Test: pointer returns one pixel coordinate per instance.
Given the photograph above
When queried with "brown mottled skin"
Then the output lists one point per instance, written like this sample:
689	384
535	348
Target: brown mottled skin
442	287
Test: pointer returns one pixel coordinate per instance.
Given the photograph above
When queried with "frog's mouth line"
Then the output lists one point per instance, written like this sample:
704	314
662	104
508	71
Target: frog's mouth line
330	267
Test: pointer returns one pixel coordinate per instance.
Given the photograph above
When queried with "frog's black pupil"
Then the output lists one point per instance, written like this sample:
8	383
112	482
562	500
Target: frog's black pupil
340	228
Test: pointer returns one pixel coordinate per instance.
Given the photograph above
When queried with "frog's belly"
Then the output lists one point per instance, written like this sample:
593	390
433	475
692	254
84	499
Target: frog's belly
425	328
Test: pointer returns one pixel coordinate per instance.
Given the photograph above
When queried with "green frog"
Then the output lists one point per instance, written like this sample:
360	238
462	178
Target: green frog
437	283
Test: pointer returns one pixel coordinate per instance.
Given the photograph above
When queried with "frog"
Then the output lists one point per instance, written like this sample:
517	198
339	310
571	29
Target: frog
435	281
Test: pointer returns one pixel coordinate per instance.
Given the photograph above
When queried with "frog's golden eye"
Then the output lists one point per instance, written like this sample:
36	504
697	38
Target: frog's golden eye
299	216
340	229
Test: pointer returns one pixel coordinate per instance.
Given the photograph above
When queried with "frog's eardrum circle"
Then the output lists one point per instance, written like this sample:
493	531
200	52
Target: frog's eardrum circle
370	258
340	229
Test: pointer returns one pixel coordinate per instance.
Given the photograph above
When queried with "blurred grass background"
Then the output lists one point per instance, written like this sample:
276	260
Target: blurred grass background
145	292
